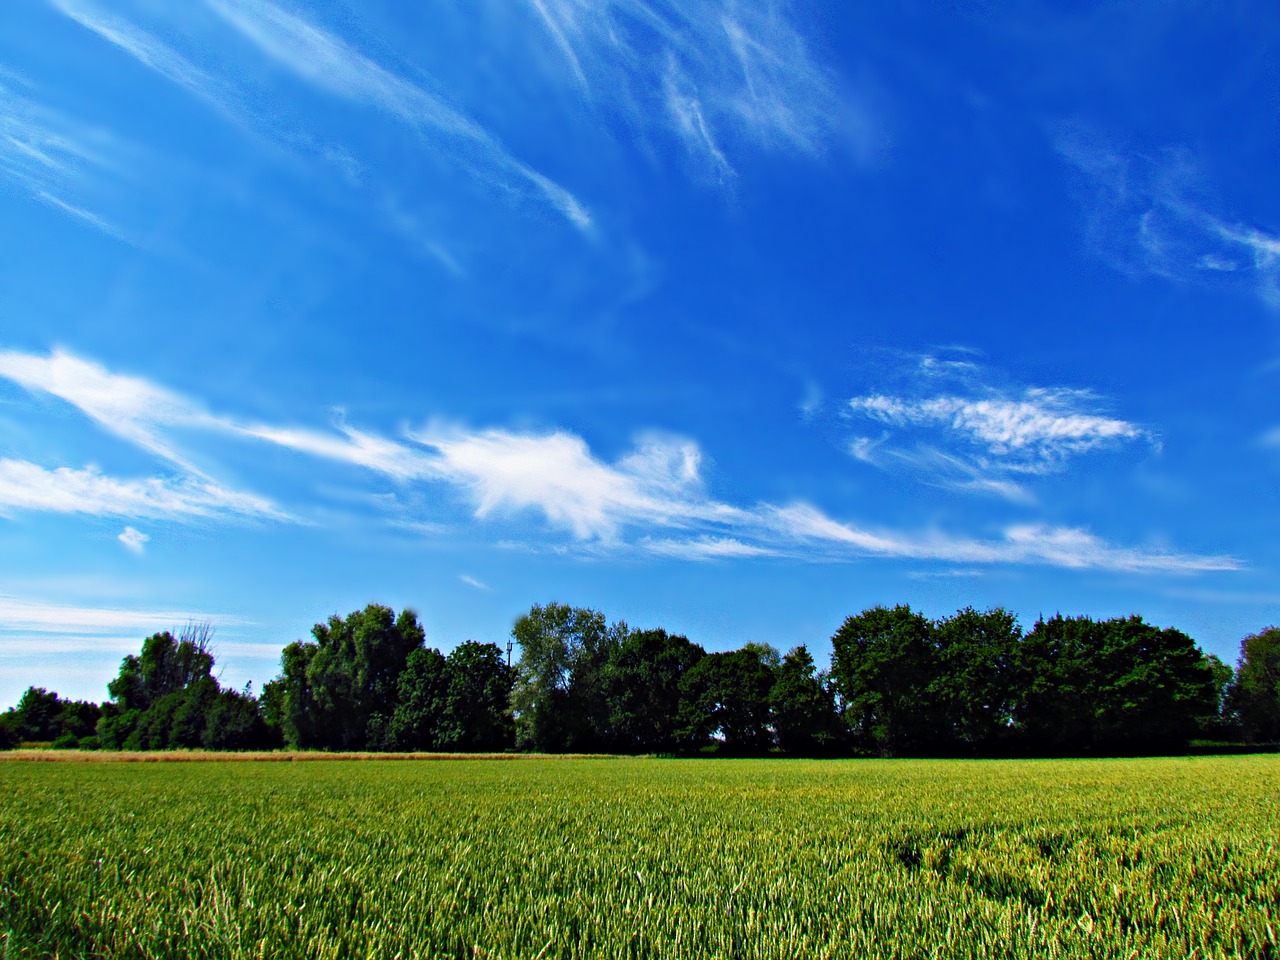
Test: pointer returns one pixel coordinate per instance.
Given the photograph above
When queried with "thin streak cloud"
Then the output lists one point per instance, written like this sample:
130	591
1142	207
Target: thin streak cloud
330	64
652	500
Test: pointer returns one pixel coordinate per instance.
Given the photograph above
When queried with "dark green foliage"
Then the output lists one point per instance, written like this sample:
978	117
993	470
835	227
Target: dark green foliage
1110	686
166	665
973	689
726	696
167	698
423	691
642	687
233	721
8	735
883	663
559	697
477	713
340	692
42	717
454	703
804	708
1254	695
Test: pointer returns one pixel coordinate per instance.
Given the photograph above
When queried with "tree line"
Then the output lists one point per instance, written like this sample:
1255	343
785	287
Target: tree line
898	684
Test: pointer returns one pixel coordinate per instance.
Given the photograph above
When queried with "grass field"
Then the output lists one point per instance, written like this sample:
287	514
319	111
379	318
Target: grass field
543	858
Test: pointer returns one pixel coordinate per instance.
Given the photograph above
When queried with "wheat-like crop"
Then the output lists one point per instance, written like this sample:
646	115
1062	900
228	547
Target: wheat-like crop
566	858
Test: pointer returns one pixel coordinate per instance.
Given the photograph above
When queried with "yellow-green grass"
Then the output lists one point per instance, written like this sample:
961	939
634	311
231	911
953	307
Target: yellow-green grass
642	858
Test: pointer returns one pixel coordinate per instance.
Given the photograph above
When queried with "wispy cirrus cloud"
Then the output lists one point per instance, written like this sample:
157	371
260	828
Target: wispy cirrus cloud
149	50
61	161
27	486
652	500
719	76
40	616
957	428
329	64
1148	213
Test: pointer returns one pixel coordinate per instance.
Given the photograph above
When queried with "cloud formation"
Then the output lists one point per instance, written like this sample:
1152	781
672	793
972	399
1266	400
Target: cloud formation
60	161
1146	214
328	64
719	76
134	540
955	427
651	500
27	486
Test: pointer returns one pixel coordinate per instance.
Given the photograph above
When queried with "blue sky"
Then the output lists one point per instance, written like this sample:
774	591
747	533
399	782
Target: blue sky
732	318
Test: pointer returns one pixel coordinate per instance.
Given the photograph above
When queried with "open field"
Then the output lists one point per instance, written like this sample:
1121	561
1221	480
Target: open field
642	858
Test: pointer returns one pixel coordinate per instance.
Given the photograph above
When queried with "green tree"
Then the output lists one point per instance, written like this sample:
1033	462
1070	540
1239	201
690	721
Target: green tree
973	688
1254	695
477	710
167	698
726	696
642	687
1113	686
423	689
559	697
166	664
804	708
340	691
883	663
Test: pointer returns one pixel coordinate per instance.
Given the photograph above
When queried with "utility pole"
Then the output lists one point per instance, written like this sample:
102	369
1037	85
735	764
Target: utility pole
509	646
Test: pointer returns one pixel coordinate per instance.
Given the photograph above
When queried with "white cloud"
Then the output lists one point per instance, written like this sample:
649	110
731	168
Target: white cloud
1047	425
1145	215
62	162
653	499
144	413
473	582
955	429
707	548
348	445
28	486
38	616
147	49
557	475
129	407
327	62
1029	544
134	540
714	72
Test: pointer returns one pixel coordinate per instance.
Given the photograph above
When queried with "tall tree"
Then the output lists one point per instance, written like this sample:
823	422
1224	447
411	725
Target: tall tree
642	686
726	696
973	687
883	662
167	697
423	689
477	710
1255	692
1111	686
804	708
559	693
340	692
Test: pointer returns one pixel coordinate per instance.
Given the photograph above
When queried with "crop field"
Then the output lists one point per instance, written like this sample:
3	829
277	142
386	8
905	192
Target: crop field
558	858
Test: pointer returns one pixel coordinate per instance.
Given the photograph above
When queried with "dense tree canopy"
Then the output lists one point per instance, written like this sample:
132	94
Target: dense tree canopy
643	689
1255	694
560	699
972	684
883	662
167	697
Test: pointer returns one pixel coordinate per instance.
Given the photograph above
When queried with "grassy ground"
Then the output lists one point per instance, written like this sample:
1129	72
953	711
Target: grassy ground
642	858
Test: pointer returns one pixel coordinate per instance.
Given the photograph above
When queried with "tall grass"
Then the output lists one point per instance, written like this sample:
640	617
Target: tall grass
642	858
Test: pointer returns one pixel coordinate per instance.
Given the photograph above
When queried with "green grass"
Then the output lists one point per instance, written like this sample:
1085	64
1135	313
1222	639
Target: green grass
642	858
